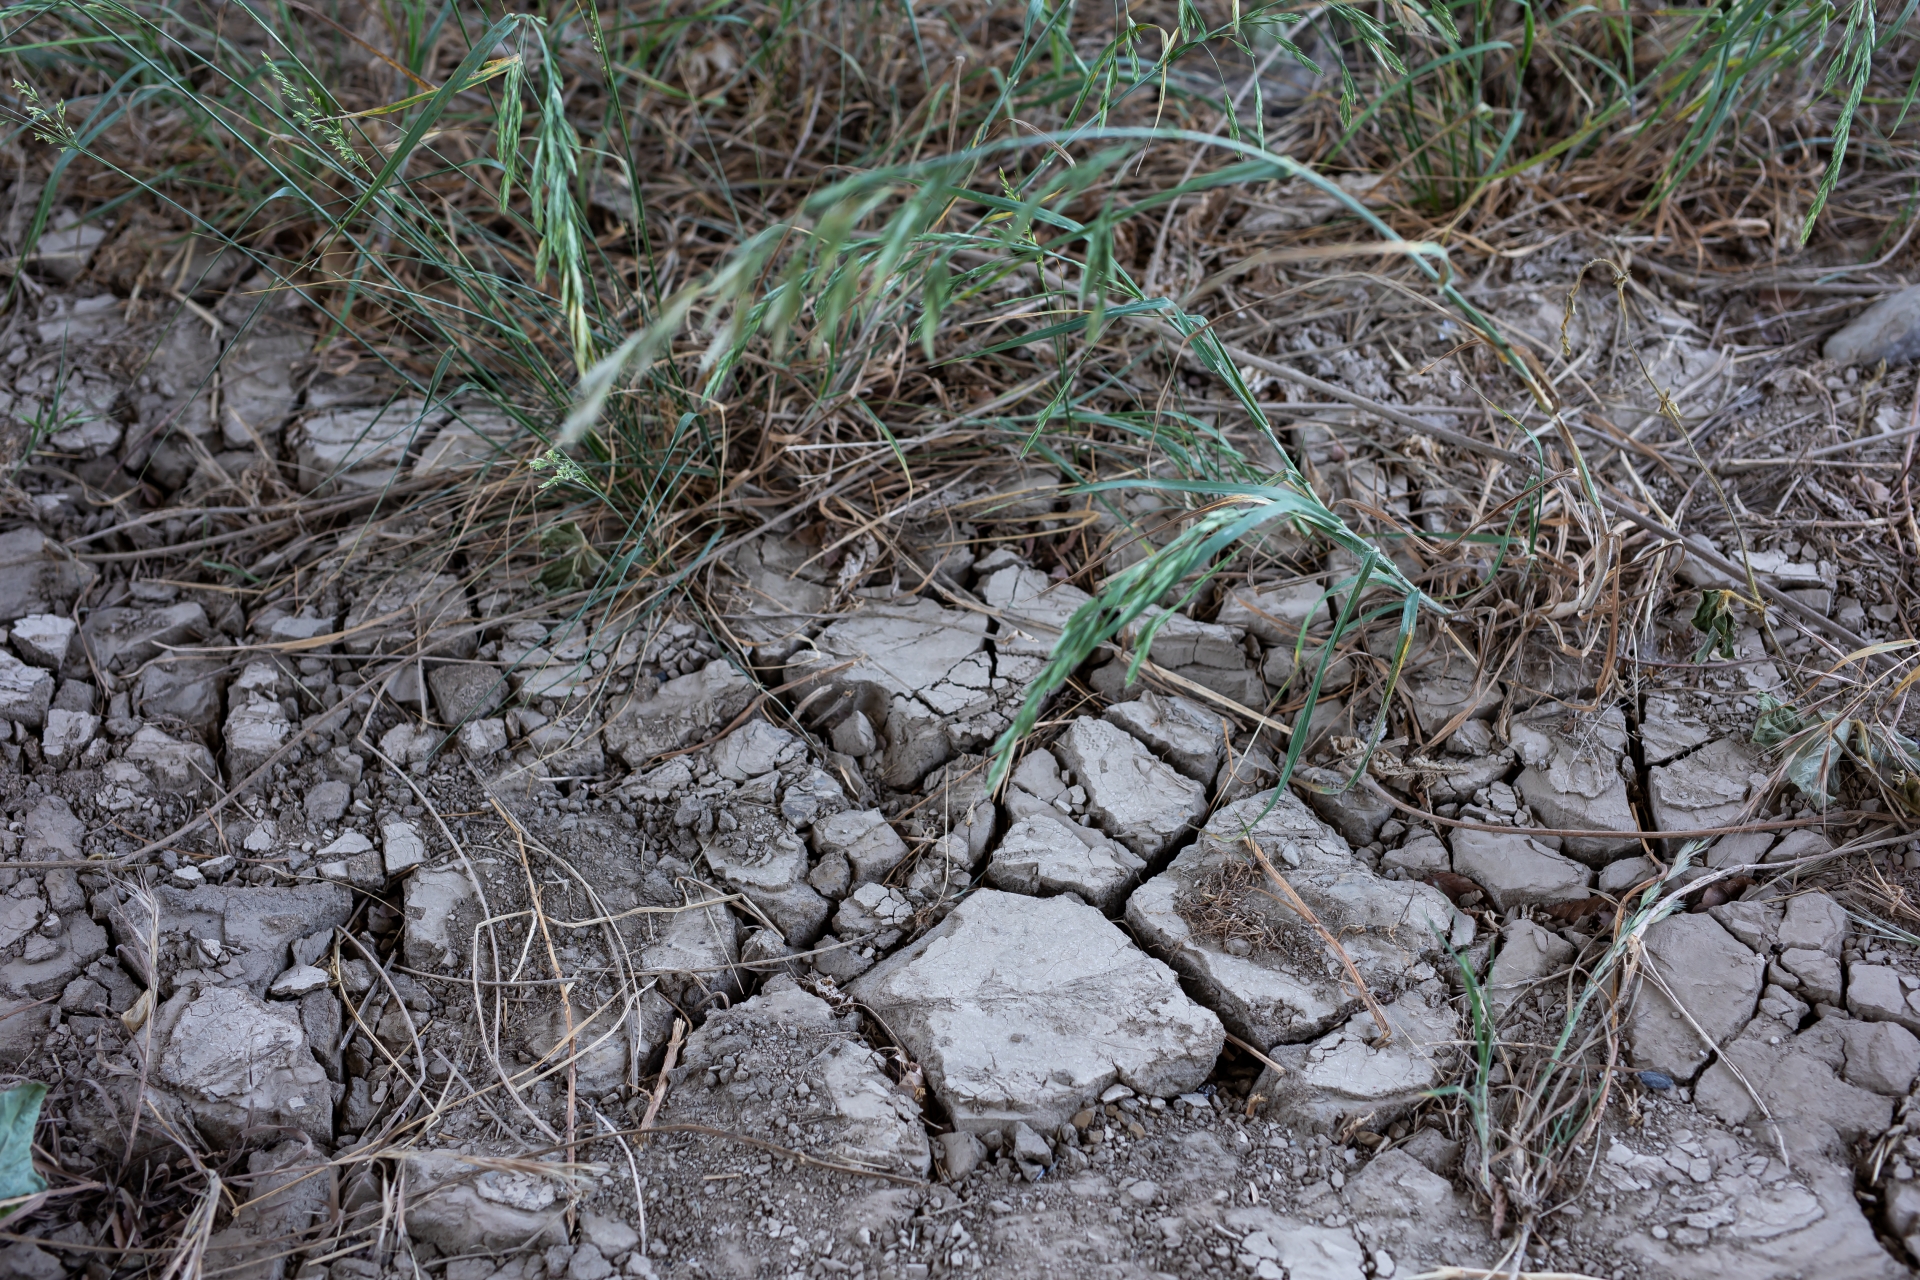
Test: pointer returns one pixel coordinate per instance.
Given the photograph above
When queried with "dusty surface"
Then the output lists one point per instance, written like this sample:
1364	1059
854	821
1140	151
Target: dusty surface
480	859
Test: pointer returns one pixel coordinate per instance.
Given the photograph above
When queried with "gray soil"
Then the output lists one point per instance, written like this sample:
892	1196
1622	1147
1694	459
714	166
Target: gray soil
402	922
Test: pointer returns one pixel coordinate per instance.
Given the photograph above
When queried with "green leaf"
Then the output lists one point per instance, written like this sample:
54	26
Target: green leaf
1809	765
1714	617
19	1113
1776	722
575	562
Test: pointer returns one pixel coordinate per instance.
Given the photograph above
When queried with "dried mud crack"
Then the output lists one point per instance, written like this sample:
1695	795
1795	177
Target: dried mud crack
762	644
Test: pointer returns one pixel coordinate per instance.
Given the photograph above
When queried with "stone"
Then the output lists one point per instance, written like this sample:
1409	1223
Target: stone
870	909
1419	856
831	877
67	734
64	252
1716	979
38	575
409	743
765	859
1794	845
326	802
1797	1076
256	729
24	1025
1266	973
1357	813
1246	772
754	749
960	806
1742	848
173	767
1138	800
1814	922
1209	654
1472	738
568	751
601	1048
346	845
121	639
356	449
47	965
785	1034
239	1065
588	1263
1517	870
411	611
25	692
93	438
1888	330
1707	789
765	952
772	594
75	695
1028	1147
1462	778
1881	1056
402	847
840	961
854	736
1038	775
1275	615
52	833
181	688
1572	780
864	839
46	640
1045	855
1755	923
261	678
961	1152
255	925
1527	954
1293	1248
681	712
1033	609
482	739
467	1208
465	691
1818	972
1619	877
24	1261
922	673
462	445
1440	689
257	389
1667	731
437	904
1348	1074
1179	731
298	981
65	894
1876	994
609	1235
939	876
1396	1185
693	953
1027	1009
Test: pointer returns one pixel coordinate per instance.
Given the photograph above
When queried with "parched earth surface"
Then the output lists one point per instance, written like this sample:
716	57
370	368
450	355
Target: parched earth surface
518	943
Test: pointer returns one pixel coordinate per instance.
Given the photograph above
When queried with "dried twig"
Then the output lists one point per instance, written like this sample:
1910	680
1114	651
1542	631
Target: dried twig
1326	935
666	1068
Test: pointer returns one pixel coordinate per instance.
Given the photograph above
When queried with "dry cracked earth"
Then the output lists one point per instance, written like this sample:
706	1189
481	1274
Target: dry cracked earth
534	945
